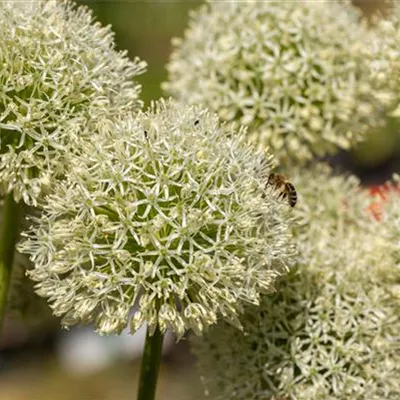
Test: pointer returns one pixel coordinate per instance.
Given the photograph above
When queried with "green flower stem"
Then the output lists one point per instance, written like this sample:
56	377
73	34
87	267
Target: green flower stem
150	365
9	231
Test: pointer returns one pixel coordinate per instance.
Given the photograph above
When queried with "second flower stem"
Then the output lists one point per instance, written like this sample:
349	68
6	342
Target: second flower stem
150	365
12	214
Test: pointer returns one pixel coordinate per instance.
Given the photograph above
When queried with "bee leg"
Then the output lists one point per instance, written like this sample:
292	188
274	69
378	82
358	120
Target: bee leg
282	195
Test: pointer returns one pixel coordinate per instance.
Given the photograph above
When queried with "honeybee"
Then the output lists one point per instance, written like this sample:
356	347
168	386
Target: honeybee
280	182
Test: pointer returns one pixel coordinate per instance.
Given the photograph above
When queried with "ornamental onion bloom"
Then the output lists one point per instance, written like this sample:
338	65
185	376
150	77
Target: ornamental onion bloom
386	65
331	332
168	211
296	72
390	211
58	69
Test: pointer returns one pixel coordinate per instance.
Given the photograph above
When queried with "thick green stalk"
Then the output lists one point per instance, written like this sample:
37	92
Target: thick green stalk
150	365
9	230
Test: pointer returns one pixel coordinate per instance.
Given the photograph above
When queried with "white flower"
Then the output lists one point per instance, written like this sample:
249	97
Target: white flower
296	72
331	332
58	70
386	64
169	211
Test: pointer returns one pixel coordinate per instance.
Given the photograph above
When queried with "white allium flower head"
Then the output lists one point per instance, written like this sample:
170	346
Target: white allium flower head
295	72
388	210
167	210
331	332
58	69
386	63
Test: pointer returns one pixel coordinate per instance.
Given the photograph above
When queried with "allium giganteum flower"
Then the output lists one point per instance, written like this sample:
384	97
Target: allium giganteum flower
296	72
331	332
387	57
58	69
168	210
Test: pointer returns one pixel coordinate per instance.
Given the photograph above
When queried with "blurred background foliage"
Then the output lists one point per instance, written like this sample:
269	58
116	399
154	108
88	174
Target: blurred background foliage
31	366
145	28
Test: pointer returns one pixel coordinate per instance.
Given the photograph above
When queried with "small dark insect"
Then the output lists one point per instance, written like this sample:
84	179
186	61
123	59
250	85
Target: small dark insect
146	135
196	122
280	182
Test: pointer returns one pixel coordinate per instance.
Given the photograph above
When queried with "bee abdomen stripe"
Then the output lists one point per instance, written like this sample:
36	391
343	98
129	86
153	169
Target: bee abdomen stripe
292	197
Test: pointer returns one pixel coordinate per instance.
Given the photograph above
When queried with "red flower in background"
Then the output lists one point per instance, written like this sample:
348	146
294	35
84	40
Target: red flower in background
381	194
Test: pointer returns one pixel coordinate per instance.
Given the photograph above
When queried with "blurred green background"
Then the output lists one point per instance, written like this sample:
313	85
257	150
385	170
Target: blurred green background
145	29
30	367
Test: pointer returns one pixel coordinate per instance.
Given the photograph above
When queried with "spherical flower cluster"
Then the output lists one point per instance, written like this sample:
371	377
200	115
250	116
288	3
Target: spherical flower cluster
331	332
386	65
169	212
58	69
296	72
389	210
